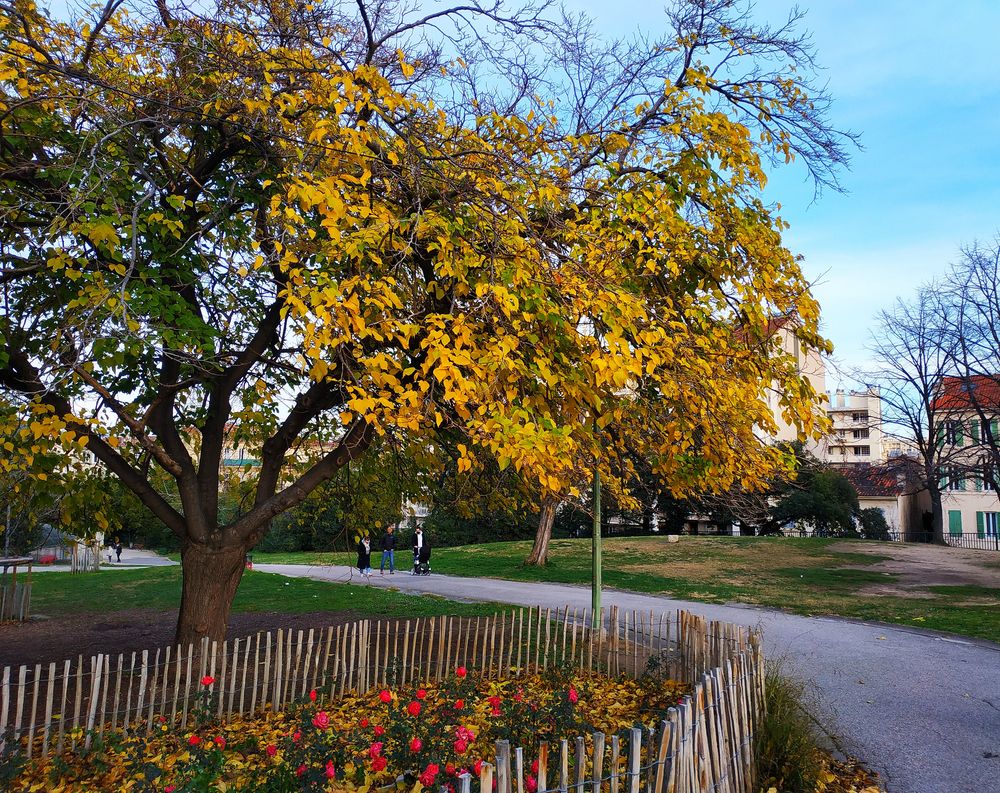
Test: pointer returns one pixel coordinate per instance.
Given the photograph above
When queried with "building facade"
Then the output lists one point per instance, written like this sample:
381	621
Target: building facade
857	435
966	414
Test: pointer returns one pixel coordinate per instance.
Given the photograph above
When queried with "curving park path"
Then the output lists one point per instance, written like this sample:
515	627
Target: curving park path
921	708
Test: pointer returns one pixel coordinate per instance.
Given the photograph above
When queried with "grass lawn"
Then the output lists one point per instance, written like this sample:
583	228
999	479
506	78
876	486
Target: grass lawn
804	576
59	594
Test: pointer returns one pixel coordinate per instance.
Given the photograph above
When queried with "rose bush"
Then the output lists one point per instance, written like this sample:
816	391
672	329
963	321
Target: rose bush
415	737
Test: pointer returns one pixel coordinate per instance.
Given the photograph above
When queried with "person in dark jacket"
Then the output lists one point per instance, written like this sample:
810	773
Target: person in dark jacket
365	555
421	552
388	551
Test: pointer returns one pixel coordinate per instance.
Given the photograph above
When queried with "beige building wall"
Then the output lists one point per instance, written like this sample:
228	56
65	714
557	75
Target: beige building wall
812	366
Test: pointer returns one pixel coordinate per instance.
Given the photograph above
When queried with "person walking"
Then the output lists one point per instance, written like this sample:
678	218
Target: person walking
388	551
118	548
365	555
418	547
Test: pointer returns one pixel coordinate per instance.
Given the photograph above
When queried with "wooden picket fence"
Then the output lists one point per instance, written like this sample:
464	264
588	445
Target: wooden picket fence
45	708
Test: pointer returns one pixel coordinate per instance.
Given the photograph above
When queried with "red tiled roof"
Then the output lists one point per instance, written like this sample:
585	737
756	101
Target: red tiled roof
965	393
888	479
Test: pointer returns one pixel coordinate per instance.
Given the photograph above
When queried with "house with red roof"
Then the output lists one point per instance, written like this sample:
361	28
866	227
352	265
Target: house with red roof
966	411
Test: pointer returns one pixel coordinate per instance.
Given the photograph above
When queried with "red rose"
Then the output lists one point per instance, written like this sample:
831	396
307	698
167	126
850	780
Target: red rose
573	696
321	720
413	708
375	749
220	741
460	672
379	731
271	750
461	747
534	766
421	693
427	778
450	769
477	767
330	773
531	784
207	680
312	695
170	789
379	764
495	712
385	696
494	701
519	696
459	704
416	744
364	722
194	740
297	736
465	734
300	770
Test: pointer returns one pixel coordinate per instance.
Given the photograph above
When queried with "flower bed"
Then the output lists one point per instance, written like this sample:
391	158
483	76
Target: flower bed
413	737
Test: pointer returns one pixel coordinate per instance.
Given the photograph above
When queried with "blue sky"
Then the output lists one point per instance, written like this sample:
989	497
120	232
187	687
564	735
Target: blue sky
921	83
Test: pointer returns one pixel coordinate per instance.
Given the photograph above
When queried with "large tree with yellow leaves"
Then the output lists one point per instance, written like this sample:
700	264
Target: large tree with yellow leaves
299	226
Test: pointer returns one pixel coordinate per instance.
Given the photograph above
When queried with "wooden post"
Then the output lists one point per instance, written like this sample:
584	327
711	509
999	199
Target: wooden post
543	766
615	755
95	691
4	706
465	783
35	685
597	775
661	756
634	749
563	765
152	692
486	777
580	756
503	766
518	758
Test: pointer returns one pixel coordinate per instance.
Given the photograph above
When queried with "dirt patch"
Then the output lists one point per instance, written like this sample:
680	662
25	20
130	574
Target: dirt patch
61	638
919	566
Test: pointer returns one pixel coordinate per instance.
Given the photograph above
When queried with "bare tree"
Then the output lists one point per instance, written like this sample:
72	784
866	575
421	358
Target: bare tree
973	288
912	345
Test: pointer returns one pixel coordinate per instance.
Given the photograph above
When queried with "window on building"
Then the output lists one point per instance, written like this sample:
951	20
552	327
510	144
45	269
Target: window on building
952	433
952	478
986	524
990	477
862	451
860	417
860	434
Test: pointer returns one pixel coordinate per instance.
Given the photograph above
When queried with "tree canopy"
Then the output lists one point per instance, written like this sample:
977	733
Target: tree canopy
302	226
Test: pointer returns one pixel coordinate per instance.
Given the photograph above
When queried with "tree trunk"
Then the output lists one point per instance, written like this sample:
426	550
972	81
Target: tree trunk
210	578
540	552
937	518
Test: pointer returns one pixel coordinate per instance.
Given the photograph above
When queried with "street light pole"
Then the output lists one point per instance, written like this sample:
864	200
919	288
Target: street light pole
595	584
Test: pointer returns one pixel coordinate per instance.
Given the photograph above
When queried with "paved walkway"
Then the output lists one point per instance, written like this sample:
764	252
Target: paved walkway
920	708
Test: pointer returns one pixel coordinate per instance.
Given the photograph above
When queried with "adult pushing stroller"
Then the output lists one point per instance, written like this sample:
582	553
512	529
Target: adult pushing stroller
421	554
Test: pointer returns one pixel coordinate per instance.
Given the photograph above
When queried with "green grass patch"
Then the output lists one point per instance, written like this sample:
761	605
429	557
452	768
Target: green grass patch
835	578
57	594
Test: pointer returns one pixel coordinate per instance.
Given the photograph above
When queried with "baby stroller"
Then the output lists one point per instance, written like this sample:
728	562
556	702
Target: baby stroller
422	561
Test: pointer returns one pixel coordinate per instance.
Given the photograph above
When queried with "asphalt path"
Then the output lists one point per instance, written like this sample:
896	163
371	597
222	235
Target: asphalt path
921	708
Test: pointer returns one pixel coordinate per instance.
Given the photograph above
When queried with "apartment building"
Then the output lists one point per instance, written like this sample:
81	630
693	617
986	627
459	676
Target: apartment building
967	415
857	435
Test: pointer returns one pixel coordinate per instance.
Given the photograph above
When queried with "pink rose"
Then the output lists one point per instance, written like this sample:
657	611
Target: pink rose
573	696
531	784
321	720
330	773
170	789
416	744
461	747
375	749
